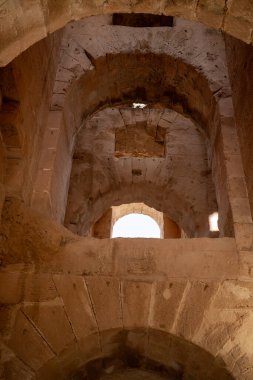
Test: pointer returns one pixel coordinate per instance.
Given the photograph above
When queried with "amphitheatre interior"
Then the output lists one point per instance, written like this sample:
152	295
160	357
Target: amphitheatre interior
109	108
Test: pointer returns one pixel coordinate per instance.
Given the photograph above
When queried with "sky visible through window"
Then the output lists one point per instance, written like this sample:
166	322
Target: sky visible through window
136	225
213	221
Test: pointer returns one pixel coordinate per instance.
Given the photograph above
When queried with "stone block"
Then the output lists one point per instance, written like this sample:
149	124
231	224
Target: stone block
234	295
47	159
41	202
246	264
51	137
244	236
7	319
237	187
14	369
77	304
197	299
29	346
234	166
39	288
106	296
51	320
135	304
165	301
11	285
239	18
240	210
211	13
43	180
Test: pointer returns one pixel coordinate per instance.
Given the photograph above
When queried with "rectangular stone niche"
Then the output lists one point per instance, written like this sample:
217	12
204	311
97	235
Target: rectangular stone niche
140	141
141	20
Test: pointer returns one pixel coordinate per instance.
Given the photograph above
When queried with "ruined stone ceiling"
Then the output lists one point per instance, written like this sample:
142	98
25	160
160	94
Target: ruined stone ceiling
121	64
23	24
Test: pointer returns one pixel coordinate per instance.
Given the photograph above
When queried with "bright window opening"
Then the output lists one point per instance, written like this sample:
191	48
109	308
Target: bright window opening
136	225
213	221
139	105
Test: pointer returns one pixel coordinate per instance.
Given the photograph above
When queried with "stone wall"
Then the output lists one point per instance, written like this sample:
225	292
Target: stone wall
240	65
33	72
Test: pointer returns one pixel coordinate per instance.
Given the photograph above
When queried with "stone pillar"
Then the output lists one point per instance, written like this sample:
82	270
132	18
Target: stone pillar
51	186
171	229
2	189
235	179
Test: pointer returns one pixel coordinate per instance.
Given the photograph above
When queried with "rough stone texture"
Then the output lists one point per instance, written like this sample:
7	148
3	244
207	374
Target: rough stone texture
168	74
24	112
88	295
86	308
240	64
23	25
182	178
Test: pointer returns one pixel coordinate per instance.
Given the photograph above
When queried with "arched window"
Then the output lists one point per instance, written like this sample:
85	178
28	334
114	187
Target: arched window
136	225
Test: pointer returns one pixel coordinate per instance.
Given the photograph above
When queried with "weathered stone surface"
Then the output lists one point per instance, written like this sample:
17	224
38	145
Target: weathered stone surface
51	320
34	23
169	179
135	304
165	302
76	299
74	140
30	347
196	300
106	296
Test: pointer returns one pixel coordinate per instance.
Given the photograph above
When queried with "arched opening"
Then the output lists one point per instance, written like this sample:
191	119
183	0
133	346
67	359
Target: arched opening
126	354
136	225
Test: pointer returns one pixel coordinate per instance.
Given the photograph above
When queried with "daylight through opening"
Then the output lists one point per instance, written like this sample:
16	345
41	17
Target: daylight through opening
136	226
213	221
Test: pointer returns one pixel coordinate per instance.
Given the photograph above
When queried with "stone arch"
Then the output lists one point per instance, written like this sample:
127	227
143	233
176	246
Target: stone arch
152	352
132	75
105	65
152	197
31	25
168	167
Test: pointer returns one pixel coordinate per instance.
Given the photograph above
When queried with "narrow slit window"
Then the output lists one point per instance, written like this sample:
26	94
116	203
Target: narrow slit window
213	222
